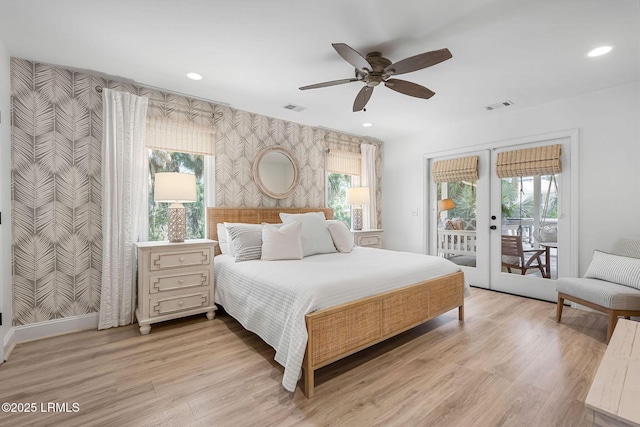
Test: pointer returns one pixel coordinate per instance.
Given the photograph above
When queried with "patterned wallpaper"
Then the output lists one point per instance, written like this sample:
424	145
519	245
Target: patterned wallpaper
56	178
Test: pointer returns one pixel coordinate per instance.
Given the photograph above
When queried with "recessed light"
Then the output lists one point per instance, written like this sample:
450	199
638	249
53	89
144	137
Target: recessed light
600	50
367	125
194	76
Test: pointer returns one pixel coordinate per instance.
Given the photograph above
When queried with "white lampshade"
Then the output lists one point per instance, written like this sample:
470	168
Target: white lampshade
358	196
175	187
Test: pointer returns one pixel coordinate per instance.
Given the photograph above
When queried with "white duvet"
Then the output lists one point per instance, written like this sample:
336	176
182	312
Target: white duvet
271	298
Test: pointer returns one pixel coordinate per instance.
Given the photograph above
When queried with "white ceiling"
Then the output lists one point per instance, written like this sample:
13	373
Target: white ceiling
255	54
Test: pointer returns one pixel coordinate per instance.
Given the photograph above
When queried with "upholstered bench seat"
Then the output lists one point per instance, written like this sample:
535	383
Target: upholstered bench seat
600	292
611	284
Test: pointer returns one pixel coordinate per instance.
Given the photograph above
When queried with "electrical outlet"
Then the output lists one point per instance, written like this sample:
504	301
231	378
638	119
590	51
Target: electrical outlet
414	212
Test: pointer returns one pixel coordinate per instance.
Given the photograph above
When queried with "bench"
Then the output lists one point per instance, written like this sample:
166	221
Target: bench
614	396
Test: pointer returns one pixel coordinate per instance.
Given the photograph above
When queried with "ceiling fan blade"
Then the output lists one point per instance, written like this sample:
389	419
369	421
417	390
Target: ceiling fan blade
418	62
362	98
408	88
331	83
352	56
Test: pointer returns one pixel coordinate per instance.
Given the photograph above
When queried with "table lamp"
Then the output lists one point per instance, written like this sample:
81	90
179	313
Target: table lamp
356	197
445	205
175	188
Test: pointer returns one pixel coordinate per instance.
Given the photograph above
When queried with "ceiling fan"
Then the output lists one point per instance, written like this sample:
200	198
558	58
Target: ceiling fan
375	69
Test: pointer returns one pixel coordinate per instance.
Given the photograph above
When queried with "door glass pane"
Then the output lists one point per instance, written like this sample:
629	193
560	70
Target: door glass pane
530	225
456	225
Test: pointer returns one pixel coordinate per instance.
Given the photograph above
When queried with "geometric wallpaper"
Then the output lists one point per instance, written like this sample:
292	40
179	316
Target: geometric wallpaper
56	177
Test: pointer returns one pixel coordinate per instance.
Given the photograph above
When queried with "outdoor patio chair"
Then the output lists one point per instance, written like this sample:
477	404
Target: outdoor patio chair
514	256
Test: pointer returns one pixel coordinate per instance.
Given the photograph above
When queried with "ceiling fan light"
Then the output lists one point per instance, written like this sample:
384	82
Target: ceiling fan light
367	125
599	51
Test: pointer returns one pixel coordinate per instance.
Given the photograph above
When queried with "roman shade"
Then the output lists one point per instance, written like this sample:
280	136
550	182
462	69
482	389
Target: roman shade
184	137
344	162
529	161
453	170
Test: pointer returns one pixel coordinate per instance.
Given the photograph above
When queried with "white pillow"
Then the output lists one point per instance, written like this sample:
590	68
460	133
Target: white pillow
615	268
342	237
246	240
281	242
316	238
223	239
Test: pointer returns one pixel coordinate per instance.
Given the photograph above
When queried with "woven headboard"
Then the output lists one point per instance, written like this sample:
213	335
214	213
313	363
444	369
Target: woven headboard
252	216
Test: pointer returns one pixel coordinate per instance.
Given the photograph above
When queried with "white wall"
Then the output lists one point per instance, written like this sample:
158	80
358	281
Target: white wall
5	193
609	165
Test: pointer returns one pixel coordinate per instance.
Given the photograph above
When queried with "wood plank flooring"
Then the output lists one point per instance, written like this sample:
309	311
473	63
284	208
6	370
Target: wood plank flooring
508	364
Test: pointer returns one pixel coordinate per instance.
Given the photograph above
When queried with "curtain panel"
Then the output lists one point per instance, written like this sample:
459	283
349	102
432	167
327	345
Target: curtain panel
369	179
530	161
124	168
185	137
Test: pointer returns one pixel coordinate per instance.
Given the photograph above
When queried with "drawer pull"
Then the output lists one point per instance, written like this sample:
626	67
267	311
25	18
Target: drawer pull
181	303
181	259
181	281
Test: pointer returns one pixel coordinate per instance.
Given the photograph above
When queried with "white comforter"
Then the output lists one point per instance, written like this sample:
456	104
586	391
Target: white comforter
271	298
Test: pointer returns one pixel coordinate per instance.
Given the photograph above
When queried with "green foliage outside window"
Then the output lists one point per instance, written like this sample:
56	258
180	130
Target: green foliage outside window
337	196
167	161
463	194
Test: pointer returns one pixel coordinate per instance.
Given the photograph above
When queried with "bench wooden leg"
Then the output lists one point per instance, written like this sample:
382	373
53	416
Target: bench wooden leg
559	308
613	320
461	313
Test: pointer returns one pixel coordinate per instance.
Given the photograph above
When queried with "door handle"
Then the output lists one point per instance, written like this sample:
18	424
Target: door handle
493	227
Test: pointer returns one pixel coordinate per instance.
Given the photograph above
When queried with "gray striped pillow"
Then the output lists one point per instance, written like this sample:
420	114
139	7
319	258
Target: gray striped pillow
615	268
246	240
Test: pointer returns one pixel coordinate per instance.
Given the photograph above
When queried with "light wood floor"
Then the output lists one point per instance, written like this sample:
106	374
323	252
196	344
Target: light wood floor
508	364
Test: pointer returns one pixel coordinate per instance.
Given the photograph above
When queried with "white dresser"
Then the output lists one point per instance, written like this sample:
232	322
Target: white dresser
174	280
371	238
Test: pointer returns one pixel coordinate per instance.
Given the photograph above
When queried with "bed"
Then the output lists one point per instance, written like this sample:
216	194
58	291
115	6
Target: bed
311	322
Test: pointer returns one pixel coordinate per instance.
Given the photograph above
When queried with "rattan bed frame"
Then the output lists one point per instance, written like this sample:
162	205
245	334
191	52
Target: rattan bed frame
337	332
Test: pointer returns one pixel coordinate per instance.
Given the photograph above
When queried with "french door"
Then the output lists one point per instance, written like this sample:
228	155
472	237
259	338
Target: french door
497	228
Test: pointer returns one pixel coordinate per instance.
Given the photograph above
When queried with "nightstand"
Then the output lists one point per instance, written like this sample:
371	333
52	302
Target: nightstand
371	238
174	280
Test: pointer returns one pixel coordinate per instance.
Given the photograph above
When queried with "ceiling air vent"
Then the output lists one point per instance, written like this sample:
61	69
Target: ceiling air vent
296	108
498	105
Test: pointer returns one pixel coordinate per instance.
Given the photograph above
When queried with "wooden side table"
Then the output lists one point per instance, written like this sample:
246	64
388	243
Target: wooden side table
174	280
371	238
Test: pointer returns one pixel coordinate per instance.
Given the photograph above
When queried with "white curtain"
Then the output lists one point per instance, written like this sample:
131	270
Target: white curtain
124	165
369	179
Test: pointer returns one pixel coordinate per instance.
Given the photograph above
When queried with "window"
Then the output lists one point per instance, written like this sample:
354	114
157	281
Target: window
168	161
343	171
187	147
337	196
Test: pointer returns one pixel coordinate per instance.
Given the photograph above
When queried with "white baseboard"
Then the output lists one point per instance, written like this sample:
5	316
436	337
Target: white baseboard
50	328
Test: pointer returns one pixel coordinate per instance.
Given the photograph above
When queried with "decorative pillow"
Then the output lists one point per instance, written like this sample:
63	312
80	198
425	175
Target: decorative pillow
615	268
223	239
281	242
316	238
246	240
342	237
453	224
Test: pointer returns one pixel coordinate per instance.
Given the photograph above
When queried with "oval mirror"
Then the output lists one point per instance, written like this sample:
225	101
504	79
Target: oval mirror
275	172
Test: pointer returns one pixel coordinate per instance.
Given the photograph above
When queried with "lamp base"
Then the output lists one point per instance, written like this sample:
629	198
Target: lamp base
177	222
356	217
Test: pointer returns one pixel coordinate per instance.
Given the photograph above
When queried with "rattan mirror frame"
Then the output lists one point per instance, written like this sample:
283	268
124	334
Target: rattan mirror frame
260	182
